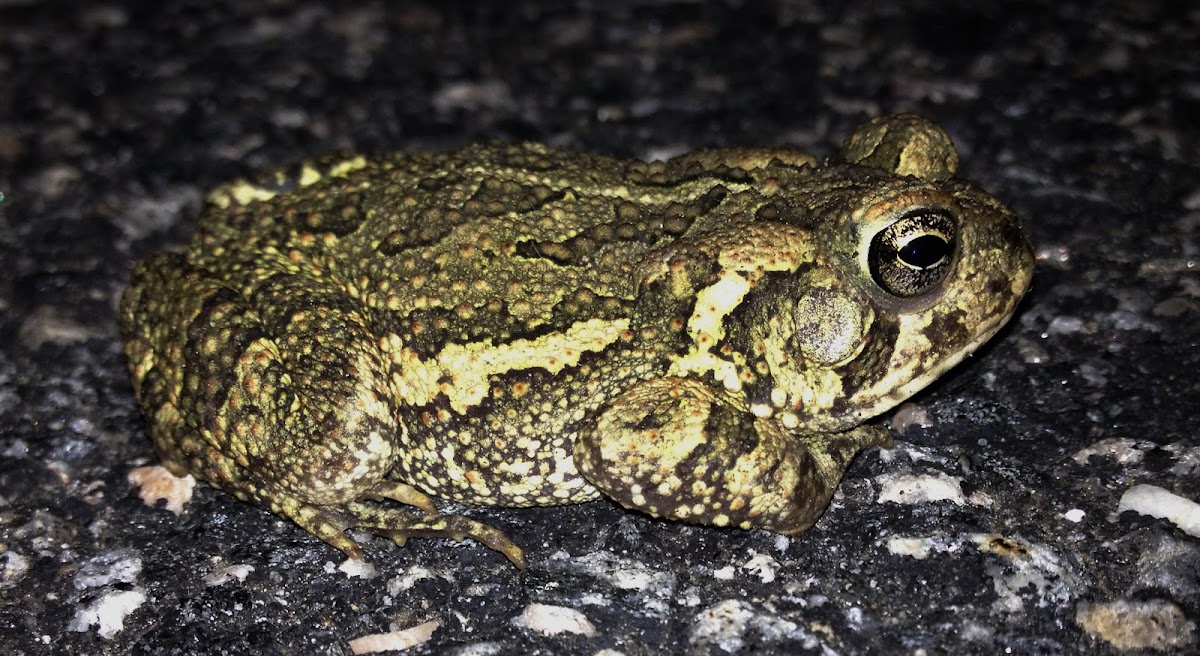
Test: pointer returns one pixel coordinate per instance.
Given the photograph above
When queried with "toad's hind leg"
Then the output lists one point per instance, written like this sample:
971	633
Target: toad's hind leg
278	395
330	523
676	449
399	525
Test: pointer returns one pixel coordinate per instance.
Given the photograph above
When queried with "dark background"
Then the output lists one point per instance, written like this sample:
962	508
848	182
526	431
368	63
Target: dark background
115	118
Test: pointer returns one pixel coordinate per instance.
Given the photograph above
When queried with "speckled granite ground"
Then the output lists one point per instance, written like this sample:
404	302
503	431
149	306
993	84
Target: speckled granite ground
115	117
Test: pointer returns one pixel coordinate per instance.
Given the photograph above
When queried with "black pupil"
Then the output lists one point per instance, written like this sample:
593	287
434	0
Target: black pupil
924	251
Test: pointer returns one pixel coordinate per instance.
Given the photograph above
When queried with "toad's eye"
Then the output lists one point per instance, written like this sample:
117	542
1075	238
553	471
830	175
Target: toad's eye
912	255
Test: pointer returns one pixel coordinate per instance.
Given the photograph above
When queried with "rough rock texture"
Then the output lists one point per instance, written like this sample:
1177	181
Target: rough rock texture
992	525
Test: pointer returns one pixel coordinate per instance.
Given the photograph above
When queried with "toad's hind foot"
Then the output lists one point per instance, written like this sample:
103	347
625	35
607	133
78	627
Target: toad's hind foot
330	522
399	525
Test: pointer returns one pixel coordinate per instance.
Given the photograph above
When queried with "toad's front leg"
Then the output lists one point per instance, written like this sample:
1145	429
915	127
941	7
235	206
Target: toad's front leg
676	449
278	395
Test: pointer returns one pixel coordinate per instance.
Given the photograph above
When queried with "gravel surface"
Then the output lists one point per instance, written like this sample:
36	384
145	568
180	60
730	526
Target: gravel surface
1013	513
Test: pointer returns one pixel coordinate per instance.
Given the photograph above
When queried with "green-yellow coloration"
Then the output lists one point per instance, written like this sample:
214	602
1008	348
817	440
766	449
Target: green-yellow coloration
698	339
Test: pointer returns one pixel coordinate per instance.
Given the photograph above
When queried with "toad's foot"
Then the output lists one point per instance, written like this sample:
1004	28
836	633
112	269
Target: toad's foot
330	523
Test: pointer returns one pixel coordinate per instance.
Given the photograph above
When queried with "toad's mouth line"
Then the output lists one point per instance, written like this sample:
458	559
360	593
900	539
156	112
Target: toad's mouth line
884	402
